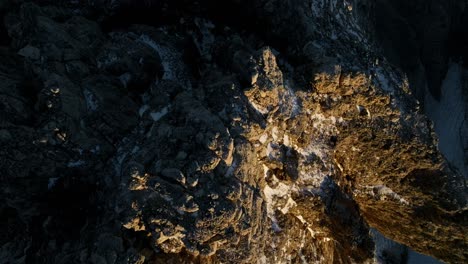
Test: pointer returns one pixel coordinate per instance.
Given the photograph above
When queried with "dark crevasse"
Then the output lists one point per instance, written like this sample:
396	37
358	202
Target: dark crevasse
421	37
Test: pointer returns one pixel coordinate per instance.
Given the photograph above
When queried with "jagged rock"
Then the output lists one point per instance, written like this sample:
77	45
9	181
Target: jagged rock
200	138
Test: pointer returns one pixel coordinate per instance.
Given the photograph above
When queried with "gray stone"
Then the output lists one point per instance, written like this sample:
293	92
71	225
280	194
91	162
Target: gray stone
30	52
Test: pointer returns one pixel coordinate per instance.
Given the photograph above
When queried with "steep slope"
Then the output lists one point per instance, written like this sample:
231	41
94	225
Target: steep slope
200	137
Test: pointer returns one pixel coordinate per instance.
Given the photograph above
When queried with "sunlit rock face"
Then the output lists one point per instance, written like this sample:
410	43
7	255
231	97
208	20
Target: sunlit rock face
181	132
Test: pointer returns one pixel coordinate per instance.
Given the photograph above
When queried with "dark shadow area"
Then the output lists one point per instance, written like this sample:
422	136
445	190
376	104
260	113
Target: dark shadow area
344	216
233	14
70	203
153	14
66	209
458	40
9	217
422	37
5	39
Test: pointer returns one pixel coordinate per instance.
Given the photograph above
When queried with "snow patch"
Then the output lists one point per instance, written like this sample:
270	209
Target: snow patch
289	103
74	164
143	110
448	116
52	182
326	125
173	70
96	149
383	80
165	54
317	153
156	116
271	195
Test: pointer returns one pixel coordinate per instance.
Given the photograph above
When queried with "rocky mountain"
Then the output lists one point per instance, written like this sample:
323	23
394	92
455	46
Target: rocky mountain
263	131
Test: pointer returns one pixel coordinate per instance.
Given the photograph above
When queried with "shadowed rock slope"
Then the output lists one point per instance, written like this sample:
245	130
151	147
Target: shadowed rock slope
205	132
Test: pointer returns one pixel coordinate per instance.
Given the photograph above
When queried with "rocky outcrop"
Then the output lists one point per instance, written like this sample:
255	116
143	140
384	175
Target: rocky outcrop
197	138
422	37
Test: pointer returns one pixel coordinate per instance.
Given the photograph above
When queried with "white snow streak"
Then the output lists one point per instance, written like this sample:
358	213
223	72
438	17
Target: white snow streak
448	116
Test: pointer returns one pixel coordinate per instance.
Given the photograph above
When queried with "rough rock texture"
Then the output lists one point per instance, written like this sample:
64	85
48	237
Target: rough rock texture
176	132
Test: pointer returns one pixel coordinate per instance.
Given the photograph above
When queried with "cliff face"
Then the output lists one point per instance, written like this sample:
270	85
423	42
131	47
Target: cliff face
205	132
427	39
